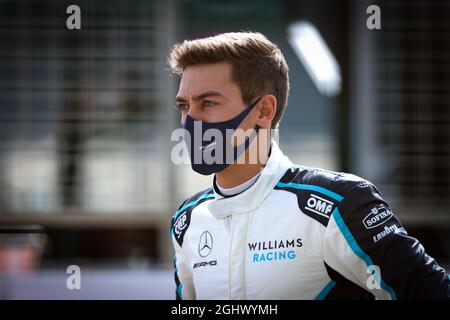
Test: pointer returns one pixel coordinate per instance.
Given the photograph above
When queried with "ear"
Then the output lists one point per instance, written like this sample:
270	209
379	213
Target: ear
267	107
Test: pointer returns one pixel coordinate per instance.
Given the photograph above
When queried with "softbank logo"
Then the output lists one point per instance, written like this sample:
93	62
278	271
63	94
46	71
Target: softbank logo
212	146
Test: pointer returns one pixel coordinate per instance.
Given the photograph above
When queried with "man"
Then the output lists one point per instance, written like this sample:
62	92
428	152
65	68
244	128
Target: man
269	229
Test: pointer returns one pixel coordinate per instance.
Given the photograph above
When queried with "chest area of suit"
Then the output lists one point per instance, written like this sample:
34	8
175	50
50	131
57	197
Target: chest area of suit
275	249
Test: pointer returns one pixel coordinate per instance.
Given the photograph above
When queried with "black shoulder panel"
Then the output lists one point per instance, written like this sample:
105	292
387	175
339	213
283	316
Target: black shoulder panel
182	217
318	191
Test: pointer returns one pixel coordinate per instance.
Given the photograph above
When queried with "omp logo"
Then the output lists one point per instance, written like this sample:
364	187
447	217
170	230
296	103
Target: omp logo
180	224
205	244
205	264
319	205
377	217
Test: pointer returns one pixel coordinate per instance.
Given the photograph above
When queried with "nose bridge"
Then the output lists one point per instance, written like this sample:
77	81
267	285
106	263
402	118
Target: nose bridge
194	110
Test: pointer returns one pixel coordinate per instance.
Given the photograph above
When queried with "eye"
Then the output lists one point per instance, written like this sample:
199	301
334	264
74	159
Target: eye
208	104
182	107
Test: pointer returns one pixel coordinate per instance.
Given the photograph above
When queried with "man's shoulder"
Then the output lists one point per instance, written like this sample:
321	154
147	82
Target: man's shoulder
182	217
319	192
200	196
336	184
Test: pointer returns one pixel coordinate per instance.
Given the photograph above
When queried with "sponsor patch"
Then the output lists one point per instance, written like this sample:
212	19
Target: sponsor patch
180	224
205	245
273	250
387	230
377	216
319	205
205	264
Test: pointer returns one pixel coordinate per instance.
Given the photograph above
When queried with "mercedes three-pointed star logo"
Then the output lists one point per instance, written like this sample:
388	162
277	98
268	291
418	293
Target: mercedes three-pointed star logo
205	244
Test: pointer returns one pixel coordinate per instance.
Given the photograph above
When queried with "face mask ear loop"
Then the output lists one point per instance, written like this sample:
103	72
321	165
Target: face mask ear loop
238	150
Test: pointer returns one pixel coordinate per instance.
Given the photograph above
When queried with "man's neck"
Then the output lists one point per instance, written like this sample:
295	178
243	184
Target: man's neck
238	173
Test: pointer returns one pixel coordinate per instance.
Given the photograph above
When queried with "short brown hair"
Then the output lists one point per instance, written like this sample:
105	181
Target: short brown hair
258	66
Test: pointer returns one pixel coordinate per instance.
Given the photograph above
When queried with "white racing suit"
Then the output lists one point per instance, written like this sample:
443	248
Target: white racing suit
299	233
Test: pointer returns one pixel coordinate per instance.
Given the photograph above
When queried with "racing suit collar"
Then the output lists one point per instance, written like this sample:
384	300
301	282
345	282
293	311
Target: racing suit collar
251	198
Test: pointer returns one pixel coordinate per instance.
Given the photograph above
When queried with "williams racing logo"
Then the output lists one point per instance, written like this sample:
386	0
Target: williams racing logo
377	217
273	250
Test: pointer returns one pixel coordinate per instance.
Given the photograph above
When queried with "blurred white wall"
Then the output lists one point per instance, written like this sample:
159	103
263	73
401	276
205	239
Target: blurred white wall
95	284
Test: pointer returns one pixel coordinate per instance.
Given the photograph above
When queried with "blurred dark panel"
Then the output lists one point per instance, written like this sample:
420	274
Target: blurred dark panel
413	82
102	244
400	132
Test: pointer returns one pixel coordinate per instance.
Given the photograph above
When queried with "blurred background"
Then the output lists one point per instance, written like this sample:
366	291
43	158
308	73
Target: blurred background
86	117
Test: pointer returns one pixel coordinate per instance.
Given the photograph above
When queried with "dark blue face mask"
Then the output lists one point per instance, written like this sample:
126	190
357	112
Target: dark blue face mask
209	143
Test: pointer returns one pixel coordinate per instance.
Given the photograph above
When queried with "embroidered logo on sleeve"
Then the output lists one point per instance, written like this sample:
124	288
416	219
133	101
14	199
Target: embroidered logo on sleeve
180	224
377	216
319	205
386	231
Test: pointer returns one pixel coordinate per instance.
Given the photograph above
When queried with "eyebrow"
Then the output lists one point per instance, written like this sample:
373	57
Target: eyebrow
202	96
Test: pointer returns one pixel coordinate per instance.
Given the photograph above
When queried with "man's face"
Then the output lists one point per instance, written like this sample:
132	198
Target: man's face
208	93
